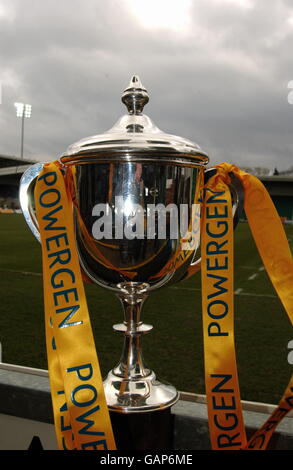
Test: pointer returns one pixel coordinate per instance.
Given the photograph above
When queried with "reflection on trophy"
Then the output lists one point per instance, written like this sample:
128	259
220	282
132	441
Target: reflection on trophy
136	195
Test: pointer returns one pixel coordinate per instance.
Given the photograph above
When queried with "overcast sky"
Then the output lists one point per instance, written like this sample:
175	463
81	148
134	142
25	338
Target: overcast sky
217	72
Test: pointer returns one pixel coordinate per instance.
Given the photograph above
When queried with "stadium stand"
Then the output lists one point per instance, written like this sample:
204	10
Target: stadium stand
11	169
280	187
278	184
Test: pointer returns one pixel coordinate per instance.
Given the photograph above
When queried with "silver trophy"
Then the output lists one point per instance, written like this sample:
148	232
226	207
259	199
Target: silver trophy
128	186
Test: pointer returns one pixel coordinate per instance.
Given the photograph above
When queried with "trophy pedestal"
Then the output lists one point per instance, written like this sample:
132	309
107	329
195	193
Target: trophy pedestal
139	404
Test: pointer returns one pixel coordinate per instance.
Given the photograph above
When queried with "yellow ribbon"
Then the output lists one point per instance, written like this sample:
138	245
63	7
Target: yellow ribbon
81	414
226	424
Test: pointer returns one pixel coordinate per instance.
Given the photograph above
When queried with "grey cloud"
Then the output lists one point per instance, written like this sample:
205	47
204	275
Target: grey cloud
223	83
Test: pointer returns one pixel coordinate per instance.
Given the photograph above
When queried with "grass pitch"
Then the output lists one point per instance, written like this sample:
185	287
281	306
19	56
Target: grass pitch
174	347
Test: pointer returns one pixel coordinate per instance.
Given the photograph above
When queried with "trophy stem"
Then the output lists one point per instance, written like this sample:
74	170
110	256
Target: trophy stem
131	387
131	364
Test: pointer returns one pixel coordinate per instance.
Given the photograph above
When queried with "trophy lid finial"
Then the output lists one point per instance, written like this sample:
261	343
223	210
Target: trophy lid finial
135	96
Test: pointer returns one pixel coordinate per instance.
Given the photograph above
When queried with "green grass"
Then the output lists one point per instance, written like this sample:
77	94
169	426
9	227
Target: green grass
174	347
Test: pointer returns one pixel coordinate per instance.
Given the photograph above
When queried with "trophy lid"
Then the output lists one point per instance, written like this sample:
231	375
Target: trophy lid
135	137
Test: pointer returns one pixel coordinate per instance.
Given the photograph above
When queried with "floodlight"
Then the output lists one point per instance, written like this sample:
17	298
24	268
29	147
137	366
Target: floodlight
23	111
19	109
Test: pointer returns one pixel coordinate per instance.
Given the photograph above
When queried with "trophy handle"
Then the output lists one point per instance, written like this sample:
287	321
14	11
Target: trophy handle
237	193
26	197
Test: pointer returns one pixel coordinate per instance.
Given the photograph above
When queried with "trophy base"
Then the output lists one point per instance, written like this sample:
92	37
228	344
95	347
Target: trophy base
138	395
143	431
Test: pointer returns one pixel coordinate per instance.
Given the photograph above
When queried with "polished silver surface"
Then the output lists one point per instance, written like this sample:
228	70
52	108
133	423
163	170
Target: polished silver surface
131	386
116	258
26	197
135	96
